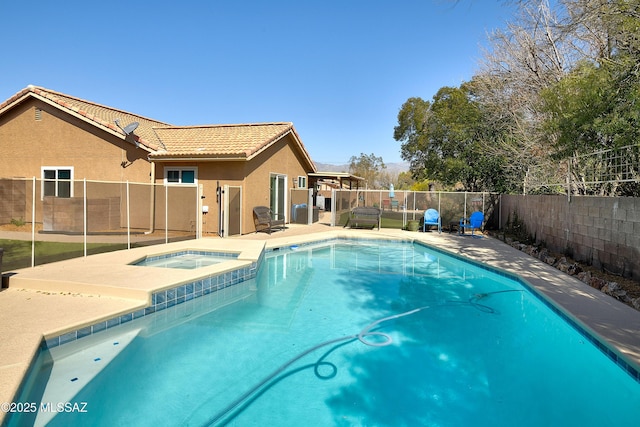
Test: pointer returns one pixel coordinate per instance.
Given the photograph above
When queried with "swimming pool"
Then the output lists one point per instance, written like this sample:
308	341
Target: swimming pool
345	333
187	260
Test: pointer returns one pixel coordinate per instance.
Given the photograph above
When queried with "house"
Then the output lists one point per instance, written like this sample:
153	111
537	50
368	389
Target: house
63	140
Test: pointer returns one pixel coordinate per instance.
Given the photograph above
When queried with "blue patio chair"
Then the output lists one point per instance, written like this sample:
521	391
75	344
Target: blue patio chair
475	221
432	217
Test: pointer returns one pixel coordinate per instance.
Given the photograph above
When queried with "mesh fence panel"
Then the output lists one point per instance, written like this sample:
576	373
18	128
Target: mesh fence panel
182	218
106	205
141	209
402	206
38	226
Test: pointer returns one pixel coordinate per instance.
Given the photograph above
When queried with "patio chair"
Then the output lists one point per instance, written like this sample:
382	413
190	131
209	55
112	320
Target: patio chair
475	221
264	220
432	217
395	204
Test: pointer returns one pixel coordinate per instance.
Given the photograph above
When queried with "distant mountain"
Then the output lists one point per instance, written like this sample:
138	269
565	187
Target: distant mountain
392	168
396	168
327	167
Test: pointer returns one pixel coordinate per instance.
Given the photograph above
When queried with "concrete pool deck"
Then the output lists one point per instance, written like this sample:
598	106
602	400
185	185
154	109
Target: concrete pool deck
52	299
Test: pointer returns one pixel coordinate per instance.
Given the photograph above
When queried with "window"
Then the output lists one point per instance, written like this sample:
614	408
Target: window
56	181
302	182
180	176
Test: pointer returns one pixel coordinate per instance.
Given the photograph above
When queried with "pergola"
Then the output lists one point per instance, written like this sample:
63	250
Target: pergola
337	180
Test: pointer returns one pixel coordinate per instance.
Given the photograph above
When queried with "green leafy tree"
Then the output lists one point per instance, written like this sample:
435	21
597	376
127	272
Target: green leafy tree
369	167
577	106
445	140
424	185
596	107
405	181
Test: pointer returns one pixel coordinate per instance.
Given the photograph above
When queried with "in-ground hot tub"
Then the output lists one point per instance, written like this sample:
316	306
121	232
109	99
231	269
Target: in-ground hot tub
186	260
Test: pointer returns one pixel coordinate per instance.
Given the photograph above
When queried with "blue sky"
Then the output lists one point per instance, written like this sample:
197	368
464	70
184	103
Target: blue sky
339	70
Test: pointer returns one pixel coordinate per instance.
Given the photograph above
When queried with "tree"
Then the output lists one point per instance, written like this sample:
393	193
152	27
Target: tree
445	140
529	55
576	105
422	186
597	105
596	108
405	181
552	84
567	78
412	120
368	167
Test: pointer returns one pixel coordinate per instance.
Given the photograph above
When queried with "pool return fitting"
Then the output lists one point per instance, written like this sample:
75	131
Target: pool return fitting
237	406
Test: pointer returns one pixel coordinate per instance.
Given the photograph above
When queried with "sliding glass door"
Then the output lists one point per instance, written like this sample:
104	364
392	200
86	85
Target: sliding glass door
279	195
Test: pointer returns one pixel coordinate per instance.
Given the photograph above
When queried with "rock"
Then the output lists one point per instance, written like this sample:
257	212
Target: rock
574	269
584	276
543	254
613	289
610	287
597	283
563	265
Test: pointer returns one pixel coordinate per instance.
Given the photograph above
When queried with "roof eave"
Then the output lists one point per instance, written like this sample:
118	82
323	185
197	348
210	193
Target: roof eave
14	100
192	158
303	149
291	130
110	128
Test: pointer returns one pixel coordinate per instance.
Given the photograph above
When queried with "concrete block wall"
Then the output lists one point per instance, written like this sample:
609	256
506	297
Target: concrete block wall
600	231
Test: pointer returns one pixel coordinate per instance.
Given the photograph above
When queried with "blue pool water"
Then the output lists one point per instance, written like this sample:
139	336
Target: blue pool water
346	334
187	260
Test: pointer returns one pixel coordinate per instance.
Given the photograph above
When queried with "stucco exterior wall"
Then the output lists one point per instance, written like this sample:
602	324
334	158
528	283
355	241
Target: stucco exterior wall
601	231
282	158
58	139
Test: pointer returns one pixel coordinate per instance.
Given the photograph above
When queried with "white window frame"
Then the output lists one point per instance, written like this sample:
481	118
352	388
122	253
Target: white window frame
302	181
180	169
56	180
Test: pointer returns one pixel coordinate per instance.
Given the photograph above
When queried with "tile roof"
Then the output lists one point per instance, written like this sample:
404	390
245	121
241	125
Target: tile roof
221	141
99	115
163	140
